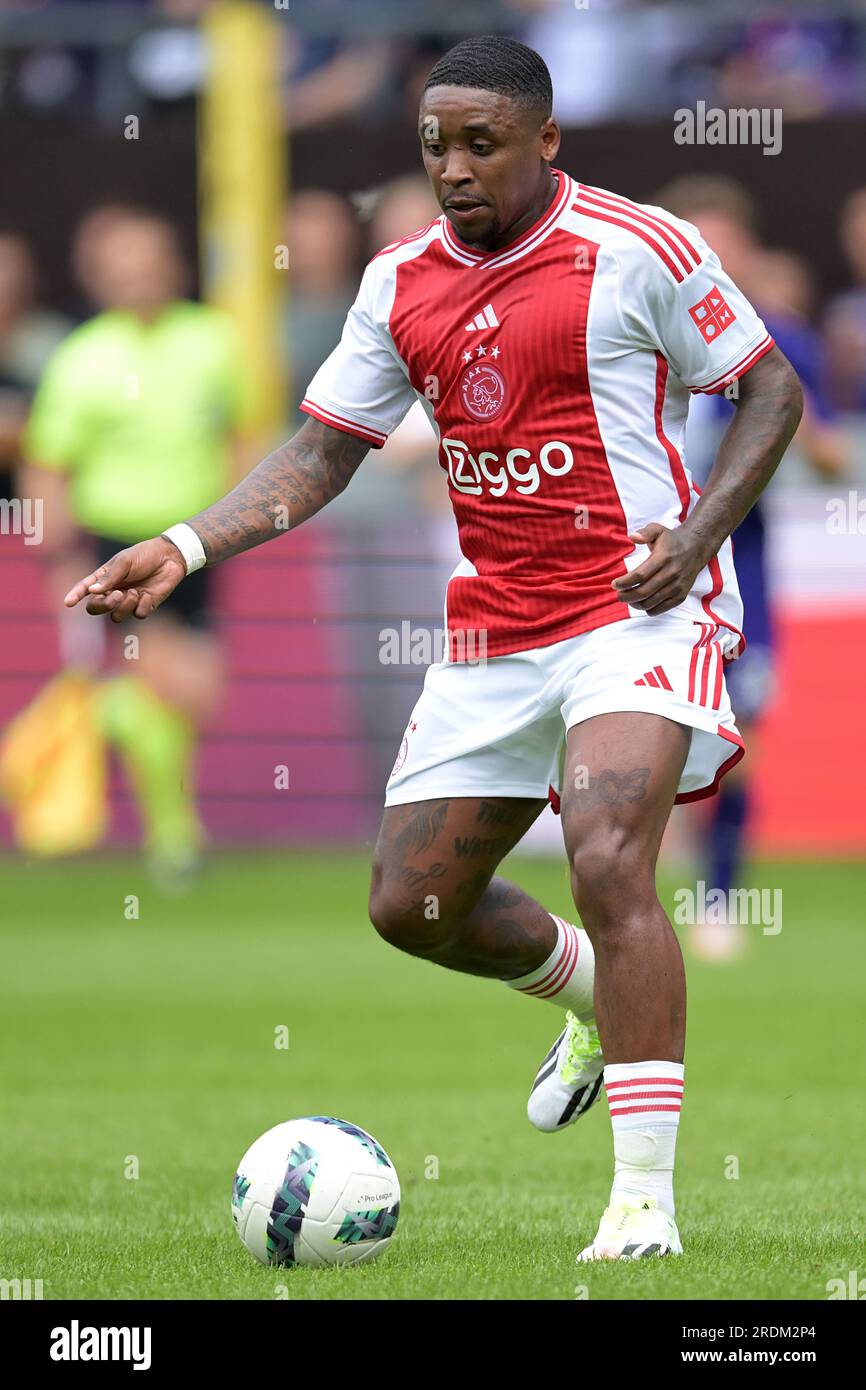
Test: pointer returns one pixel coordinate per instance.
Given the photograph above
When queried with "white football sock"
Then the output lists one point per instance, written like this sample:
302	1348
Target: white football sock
567	976
644	1100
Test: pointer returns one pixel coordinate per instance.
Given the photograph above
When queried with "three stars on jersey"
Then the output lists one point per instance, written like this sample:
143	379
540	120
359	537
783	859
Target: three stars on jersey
480	351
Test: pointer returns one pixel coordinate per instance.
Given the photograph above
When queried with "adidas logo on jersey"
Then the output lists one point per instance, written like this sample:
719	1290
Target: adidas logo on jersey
655	677
485	319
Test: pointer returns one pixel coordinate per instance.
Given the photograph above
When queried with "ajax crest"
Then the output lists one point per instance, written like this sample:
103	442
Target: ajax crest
482	390
401	757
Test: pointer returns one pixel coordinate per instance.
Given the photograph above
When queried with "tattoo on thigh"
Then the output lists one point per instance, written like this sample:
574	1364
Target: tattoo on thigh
491	814
471	888
501	894
610	788
420	832
499	938
470	847
413	878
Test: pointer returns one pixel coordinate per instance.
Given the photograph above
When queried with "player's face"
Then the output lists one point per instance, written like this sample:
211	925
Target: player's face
487	158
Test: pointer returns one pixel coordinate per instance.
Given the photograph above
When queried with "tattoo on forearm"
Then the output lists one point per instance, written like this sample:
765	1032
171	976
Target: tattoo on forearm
287	487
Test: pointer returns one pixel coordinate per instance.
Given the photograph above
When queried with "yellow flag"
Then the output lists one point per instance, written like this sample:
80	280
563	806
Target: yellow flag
53	770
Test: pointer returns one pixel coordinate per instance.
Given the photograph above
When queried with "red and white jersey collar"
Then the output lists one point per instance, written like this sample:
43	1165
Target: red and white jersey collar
531	238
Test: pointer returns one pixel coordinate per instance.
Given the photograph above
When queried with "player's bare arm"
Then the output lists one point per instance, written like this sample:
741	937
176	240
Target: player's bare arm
769	408
286	488
313	468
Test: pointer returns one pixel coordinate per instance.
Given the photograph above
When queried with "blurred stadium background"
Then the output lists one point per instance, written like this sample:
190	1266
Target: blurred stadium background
104	103
279	139
129	103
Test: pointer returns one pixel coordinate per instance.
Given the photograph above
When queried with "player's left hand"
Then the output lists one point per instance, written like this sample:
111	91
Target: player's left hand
666	577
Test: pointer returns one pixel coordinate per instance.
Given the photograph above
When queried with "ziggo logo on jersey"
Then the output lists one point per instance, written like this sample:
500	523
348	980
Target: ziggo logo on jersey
474	475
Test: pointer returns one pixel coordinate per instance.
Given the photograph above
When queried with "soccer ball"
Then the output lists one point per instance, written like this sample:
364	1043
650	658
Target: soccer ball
316	1191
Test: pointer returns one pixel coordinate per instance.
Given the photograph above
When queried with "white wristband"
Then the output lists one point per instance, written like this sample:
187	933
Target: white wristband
189	544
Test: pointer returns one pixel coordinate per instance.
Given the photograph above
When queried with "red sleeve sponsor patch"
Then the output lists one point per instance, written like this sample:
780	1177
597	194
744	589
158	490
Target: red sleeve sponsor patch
712	315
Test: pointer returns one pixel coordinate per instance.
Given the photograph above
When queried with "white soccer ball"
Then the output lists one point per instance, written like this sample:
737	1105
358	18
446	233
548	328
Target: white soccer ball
317	1191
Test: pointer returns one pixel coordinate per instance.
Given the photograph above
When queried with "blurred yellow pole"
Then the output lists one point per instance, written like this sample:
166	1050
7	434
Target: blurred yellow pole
242	177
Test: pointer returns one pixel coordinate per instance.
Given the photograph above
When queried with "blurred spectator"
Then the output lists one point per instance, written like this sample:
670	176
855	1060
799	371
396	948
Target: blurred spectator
323	236
324	246
88	240
779	285
183	9
406	469
400	493
324	243
607	58
132	428
28	336
168	61
846	317
805	63
327	76
785	284
412	58
404	205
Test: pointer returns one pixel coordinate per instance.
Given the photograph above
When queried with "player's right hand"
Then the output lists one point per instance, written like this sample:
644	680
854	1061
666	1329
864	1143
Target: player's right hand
133	582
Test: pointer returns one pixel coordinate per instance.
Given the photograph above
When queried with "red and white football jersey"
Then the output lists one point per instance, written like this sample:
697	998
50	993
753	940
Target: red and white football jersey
556	373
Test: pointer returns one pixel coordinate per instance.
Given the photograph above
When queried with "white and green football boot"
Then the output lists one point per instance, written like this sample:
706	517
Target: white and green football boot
633	1230
569	1079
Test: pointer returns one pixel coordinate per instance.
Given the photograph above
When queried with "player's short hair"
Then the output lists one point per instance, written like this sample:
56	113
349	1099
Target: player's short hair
495	63
692	194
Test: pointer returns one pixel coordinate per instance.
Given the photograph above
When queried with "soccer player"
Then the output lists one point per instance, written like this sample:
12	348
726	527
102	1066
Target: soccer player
553	331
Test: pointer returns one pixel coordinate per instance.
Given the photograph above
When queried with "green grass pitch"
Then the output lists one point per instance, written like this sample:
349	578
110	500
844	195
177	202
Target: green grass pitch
151	1041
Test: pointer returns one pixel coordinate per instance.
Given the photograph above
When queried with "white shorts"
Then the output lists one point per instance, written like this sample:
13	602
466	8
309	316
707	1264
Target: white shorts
498	728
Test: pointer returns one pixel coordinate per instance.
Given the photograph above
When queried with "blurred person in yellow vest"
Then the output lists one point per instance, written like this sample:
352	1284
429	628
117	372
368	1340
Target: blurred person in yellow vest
142	413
